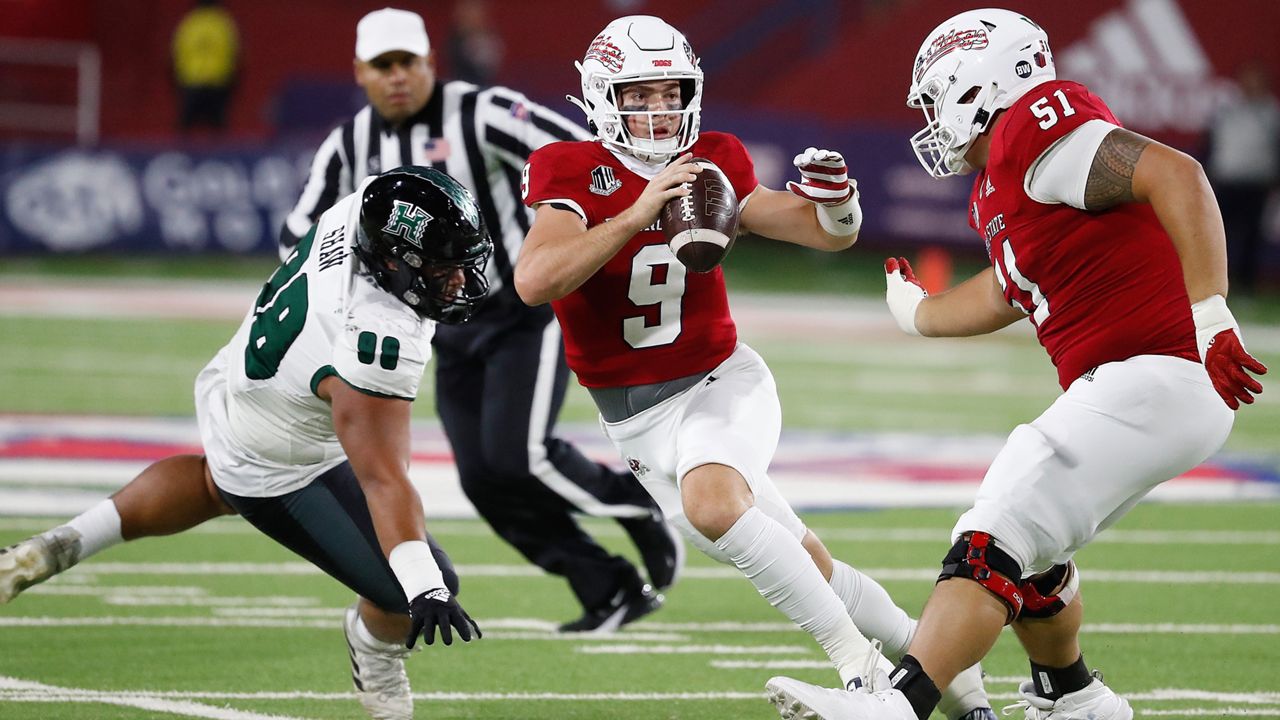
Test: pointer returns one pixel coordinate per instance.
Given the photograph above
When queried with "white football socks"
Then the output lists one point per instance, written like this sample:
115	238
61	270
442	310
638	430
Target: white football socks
783	572
872	610
99	528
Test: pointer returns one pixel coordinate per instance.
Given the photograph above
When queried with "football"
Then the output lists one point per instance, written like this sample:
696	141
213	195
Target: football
700	227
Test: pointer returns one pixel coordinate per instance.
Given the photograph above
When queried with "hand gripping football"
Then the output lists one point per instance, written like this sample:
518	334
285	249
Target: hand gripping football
700	227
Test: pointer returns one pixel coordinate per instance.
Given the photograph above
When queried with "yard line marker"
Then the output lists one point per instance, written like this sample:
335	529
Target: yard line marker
629	649
26	691
1181	577
1116	537
323	618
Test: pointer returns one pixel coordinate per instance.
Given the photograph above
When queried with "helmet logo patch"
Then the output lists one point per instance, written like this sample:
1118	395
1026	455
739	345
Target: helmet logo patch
1023	69
944	45
603	51
407	221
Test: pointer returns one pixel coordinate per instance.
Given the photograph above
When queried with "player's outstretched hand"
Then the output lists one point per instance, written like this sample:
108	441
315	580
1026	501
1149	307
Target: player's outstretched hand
438	608
666	186
1226	360
903	293
824	177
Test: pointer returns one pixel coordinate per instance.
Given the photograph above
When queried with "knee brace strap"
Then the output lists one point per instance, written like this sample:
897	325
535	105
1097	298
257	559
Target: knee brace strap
1048	593
976	557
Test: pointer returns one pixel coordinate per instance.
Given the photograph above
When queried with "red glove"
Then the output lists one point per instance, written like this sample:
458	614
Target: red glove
1226	360
824	177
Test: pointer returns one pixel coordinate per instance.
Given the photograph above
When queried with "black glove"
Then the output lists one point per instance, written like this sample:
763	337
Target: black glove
438	608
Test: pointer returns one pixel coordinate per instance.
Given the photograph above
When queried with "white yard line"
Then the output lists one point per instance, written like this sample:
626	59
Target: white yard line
1181	577
15	690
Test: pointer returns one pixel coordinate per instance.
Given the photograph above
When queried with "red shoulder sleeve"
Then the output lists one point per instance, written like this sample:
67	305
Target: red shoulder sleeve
729	154
546	175
1042	117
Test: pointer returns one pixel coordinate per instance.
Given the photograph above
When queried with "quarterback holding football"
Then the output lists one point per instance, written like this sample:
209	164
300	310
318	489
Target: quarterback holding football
693	412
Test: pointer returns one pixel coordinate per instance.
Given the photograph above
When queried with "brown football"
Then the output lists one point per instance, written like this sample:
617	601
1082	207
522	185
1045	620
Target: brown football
700	227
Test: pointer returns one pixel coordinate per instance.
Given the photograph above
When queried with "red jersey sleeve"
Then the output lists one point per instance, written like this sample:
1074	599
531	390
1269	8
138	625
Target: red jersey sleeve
1041	118
552	175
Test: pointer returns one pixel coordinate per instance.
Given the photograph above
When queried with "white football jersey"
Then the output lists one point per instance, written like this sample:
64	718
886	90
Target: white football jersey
265	431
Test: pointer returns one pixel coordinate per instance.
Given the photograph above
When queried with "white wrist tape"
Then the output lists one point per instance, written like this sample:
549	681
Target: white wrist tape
844	219
415	568
1211	317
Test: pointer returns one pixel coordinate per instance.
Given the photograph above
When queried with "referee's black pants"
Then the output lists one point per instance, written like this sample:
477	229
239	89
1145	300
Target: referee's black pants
499	388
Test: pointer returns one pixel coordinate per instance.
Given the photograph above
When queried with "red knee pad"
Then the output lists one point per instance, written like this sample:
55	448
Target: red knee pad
976	557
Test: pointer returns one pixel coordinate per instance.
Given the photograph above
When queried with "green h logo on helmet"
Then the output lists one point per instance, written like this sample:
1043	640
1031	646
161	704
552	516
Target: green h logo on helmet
407	221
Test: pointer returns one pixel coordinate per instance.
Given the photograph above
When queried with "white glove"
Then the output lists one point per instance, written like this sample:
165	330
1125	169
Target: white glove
904	293
824	181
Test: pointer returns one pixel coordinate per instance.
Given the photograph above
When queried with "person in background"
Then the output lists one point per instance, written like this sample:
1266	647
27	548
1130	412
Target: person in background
500	378
1244	166
206	58
475	49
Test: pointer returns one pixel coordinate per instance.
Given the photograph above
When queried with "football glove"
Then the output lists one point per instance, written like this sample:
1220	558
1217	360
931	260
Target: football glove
438	608
1223	354
904	293
824	177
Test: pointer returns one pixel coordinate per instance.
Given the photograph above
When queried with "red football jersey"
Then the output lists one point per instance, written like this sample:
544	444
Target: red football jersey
642	318
1099	287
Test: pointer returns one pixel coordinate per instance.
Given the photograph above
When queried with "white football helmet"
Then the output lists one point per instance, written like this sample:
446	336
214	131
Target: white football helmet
969	68
632	49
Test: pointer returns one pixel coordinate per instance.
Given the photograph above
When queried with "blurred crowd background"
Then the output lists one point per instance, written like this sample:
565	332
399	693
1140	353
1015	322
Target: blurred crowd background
187	126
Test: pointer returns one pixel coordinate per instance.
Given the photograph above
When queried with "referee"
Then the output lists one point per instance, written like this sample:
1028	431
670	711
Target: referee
500	378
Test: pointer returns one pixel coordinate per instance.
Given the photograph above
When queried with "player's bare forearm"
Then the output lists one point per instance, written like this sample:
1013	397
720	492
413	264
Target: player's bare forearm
374	432
560	253
783	216
974	307
1131	168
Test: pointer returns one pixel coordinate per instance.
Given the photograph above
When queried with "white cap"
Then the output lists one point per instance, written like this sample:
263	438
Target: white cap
388	29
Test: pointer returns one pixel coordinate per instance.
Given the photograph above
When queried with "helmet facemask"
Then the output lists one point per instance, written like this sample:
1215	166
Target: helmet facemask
640	49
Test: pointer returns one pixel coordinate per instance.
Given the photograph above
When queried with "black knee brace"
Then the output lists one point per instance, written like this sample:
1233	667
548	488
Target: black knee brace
1048	593
976	557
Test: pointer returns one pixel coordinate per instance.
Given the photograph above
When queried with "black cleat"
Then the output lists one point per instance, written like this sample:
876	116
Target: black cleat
660	546
625	606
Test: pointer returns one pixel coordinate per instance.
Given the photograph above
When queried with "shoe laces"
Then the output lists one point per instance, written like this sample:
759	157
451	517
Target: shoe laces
871	679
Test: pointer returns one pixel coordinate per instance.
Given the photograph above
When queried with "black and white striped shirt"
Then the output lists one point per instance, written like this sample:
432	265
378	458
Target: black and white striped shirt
480	136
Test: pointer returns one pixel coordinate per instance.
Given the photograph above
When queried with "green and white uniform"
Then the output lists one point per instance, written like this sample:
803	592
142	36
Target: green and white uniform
263	428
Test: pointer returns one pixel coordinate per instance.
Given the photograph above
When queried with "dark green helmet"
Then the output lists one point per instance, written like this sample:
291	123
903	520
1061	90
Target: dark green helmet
423	241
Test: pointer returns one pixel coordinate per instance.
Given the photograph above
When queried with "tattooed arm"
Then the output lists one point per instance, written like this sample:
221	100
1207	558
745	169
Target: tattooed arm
1131	168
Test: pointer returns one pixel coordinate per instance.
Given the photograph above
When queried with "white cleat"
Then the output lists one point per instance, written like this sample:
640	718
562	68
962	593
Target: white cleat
796	700
1093	702
378	673
966	698
37	559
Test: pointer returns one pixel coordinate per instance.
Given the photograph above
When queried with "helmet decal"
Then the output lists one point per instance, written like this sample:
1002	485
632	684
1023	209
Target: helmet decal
603	51
407	221
943	45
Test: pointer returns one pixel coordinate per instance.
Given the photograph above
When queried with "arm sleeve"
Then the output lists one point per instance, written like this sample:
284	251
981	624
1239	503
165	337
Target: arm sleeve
329	180
1059	175
514	126
384	348
546	180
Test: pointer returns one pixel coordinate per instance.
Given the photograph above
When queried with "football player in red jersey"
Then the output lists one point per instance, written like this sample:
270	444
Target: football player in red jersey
1113	247
693	412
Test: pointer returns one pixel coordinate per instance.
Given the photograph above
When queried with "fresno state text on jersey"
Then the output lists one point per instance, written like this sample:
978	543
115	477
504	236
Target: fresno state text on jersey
1099	287
642	318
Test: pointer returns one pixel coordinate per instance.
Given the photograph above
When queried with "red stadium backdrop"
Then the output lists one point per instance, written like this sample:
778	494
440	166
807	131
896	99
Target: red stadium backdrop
1161	63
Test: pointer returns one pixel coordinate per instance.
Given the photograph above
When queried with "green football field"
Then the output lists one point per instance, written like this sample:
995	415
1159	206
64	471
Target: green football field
221	623
1182	610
